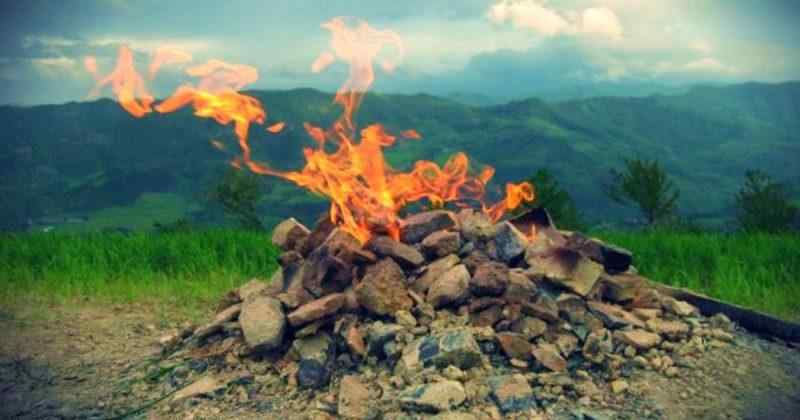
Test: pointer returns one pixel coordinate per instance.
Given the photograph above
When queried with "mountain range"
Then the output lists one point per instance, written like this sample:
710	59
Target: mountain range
79	160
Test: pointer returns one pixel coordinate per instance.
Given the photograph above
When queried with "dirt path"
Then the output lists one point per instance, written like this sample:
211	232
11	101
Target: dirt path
90	361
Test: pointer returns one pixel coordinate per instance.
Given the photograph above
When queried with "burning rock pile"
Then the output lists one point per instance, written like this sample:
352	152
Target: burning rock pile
460	312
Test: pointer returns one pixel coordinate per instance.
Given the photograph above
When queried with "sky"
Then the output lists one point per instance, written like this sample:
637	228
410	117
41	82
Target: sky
490	47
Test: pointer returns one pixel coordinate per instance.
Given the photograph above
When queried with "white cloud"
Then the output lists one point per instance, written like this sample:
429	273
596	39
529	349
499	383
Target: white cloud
150	45
701	46
710	65
56	67
529	14
601	21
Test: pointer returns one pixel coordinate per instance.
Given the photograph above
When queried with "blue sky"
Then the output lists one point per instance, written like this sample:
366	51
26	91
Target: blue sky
483	46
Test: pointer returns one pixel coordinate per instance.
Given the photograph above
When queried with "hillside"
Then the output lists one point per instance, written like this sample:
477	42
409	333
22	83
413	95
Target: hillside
80	160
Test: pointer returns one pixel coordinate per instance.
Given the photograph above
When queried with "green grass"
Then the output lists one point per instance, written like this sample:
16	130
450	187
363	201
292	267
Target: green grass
759	271
182	270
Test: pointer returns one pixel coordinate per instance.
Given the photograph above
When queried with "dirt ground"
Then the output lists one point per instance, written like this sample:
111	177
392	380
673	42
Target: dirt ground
87	361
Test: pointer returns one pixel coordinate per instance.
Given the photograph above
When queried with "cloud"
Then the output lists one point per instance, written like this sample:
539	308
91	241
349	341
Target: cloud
710	65
601	21
534	15
701	46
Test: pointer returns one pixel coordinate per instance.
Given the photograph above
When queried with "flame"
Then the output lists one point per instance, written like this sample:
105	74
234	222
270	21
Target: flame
365	192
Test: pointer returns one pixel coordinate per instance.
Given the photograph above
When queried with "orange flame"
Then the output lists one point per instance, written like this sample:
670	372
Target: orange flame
365	192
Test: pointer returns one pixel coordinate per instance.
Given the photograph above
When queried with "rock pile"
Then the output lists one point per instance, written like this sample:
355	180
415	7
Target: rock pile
459	313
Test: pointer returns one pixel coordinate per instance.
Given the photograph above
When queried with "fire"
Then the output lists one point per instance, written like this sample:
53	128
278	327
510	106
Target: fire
365	192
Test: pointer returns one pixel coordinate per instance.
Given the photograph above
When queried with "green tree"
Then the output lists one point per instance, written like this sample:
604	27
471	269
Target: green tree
763	204
644	184
549	194
239	192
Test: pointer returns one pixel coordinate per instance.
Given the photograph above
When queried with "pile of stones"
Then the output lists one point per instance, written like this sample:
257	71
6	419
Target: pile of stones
460	314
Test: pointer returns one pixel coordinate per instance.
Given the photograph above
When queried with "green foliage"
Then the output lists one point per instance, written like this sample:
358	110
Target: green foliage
756	270
239	192
645	184
763	204
549	194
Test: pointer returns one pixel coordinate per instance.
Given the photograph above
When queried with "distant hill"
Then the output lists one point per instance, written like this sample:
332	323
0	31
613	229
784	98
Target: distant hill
80	158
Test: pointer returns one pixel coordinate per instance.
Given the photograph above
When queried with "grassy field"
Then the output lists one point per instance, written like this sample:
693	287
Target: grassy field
186	270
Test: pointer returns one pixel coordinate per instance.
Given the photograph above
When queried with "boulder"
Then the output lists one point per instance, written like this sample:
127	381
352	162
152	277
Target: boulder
382	291
379	334
455	347
433	397
451	287
441	243
420	225
543	308
252	288
316	309
511	393
432	272
614	259
490	279
289	234
566	268
487	317
476	226
403	254
520	288
475	259
263	323
515	346
679	307
354	398
622	288
549	356
511	243
640	339
529	327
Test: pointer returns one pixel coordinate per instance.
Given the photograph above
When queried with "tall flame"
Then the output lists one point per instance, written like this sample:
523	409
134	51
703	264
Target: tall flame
365	192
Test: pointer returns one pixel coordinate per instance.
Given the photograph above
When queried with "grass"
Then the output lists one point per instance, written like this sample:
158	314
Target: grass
759	271
180	270
187	270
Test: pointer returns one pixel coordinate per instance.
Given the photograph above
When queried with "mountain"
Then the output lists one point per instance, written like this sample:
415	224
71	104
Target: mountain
78	160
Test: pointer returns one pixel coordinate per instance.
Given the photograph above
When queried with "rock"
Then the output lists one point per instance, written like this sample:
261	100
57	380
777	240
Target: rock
453	373
511	393
454	415
456	347
566	268
476	226
646	314
263	323
403	254
586	388
597	345
227	300
432	272
316	309
622	287
515	346
318	347
215	326
205	386
405	319
474	259
614	259
673	330
169	341
324	273
543	307
647	298
613	316
721	321
379	334
451	287
420	225
679	307
511	243
354	398
529	327
548	355
355	341
520	288
640	339
566	343
251	289
441	243
487	317
382	291
433	397
289	234
619	386
311	374
490	279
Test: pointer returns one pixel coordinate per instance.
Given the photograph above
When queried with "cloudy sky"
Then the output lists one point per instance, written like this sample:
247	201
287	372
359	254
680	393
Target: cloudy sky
492	47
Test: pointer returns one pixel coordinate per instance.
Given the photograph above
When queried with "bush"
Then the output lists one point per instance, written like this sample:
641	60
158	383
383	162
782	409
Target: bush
646	185
764	205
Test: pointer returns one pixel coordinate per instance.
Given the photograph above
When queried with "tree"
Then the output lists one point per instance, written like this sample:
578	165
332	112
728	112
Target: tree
644	184
549	194
239	193
763	204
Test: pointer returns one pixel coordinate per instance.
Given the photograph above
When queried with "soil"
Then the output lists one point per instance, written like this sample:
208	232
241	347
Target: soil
91	361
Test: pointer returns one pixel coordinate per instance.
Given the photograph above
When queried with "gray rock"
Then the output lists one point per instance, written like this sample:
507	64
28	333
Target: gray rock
403	254
263	323
433	397
378	334
511	243
215	326
451	287
354	398
441	243
566	268
420	225
289	234
383	291
316	309
511	393
476	226
252	288
432	272
490	279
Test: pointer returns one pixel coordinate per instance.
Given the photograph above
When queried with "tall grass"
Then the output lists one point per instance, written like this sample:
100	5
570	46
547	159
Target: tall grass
756	270
184	269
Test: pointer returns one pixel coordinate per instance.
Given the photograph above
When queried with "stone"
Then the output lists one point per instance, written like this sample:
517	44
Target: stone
487	317
432	272
433	397
324	273
614	259
673	330
613	316
289	234
206	385
455	347
379	334
476	226
403	254
679	307
529	327
490	279
721	321
441	243
405	319
514	345
566	343
520	288
640	339
474	259
454	415
548	355
511	393
382	291
511	243
586	388
312	374
316	309
215	326
619	386
420	225
646	314
647	298
354	398
622	288
318	347
597	345
355	341
543	308
263	323
227	300
453	373
251	289
566	268
451	287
